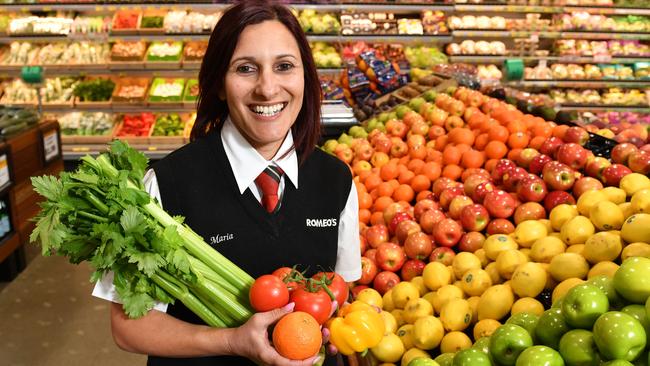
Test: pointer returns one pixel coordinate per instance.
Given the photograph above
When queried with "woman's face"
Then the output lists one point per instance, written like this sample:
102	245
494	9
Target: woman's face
264	85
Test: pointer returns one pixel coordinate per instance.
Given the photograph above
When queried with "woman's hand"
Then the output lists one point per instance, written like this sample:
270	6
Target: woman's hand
251	340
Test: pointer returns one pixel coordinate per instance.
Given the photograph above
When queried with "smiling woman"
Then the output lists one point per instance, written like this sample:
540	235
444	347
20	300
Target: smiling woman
252	183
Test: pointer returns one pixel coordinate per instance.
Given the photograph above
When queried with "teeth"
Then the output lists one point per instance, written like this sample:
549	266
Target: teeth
268	110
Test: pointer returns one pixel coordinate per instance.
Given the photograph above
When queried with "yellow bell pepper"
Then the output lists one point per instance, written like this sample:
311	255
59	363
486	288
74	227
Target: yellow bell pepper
357	328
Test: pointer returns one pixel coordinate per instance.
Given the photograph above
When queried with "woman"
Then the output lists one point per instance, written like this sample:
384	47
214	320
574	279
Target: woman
258	110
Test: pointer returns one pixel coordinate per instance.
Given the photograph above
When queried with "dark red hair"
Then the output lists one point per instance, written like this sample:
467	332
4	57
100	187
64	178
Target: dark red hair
212	111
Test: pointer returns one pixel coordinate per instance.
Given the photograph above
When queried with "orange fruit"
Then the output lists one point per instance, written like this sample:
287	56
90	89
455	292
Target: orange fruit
481	142
372	182
472	159
452	171
451	155
297	336
385	189
420	183
496	150
490	164
518	140
460	135
516	126
560	131
365	200
364	215
405	177
389	171
377	218
426	194
432	170
441	142
514	154
415	165
404	193
537	142
498	133
381	203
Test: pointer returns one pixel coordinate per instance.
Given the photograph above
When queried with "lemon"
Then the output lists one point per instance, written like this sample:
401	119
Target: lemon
589	199
641	201
547	223
636	228
475	282
436	275
482	257
528	280
445	294
371	297
473	304
495	244
576	248
561	214
493	271
463	262
390	323
428	332
626	208
606	215
577	230
603	246
403	292
389	349
451	273
418	281
405	334
544	249
634	182
527	232
398	314
508	261
568	265
412	354
527	305
635	250
550	281
485	328
387	301
415	309
526	253
456	314
430	297
603	268
563	287
614	194
495	303
453	342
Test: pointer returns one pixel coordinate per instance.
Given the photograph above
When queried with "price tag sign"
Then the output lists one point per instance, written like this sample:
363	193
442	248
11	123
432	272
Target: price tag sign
80	149
4	170
602	58
51	148
152	148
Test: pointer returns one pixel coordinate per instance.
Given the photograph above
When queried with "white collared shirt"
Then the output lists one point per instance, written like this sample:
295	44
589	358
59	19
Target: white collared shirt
247	164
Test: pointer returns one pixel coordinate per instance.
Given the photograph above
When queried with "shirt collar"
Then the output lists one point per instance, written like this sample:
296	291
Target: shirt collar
247	163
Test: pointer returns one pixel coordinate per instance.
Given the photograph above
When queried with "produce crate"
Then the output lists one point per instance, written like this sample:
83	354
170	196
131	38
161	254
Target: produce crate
188	100
59	105
125	82
107	104
92	139
134	140
151	13
166	101
118	61
189	123
168	62
190	61
170	140
126	31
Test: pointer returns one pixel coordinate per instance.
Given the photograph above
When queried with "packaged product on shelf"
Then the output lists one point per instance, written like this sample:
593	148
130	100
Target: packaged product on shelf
33	25
409	26
59	91
434	22
540	72
642	70
4	23
126	21
319	22
164	90
192	22
19	54
88	54
368	23
17	93
489	72
593	72
331	91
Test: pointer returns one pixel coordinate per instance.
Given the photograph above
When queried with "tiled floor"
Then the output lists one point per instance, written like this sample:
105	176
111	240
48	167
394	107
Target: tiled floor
48	317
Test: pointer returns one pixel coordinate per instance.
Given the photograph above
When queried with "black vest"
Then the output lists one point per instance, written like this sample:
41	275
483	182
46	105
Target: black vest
197	182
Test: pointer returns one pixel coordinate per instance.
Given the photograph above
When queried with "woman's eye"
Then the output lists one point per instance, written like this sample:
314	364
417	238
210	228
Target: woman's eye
244	69
285	66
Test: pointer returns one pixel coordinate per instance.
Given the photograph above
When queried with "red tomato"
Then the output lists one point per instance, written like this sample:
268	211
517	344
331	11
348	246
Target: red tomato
267	293
283	272
336	284
318	304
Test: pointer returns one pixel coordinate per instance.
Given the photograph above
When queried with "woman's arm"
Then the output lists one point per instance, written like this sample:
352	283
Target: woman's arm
160	334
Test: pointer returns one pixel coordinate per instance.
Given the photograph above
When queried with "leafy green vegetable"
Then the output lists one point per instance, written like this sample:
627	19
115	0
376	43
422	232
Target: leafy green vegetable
101	214
96	90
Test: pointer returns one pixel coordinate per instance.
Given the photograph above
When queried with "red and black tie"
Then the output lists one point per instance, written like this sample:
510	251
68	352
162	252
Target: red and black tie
268	182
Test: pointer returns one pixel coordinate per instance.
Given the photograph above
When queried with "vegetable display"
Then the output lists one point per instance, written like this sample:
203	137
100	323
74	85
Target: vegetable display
136	125
95	90
357	328
168	125
86	124
101	214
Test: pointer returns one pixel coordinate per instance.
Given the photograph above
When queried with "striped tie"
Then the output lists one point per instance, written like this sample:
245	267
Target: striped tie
268	182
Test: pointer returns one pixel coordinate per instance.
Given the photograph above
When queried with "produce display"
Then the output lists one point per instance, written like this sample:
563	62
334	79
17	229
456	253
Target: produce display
581	47
191	92
75	53
130	90
194	51
94	90
325	56
126	20
18	92
612	96
32	25
128	51
165	51
15	120
168	125
181	21
319	23
629	127
166	90
470	47
86	124
424	57
59	90
135	125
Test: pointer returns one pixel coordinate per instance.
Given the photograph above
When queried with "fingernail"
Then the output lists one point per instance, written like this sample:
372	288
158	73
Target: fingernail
316	360
289	307
335	304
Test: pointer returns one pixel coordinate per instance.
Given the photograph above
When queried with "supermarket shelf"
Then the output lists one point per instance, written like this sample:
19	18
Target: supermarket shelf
489	8
75	152
133	108
477	33
480	59
592	84
603	108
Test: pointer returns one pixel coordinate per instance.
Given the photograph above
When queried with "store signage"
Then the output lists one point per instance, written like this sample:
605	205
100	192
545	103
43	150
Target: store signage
4	170
51	148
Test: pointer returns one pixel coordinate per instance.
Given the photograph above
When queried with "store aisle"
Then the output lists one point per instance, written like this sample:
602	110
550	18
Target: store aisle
48	317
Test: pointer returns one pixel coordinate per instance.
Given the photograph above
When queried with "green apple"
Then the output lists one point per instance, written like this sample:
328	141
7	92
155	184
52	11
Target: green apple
527	321
540	355
423	361
632	279
382	117
483	345
551	327
471	357
416	102
583	304
619	336
558	303
606	285
507	342
647	309
618	363
401	110
578	348
345	139
638	312
430	95
445	359
330	145
392	115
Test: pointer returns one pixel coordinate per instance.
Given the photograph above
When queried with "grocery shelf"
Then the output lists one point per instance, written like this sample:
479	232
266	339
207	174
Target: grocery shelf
492	8
75	152
130	108
486	33
591	84
602	108
480	59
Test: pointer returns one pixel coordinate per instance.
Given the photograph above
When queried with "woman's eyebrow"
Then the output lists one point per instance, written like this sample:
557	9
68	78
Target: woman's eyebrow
253	59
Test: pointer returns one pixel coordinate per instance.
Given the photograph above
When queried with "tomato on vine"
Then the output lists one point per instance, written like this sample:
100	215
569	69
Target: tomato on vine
267	293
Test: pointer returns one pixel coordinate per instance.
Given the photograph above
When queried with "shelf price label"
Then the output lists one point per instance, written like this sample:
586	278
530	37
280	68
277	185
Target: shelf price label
4	170
534	37
152	148
81	149
602	58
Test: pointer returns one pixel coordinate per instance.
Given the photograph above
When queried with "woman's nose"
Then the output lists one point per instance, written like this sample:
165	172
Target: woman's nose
267	83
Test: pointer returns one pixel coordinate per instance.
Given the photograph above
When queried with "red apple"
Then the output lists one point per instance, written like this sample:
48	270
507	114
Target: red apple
448	194
512	178
499	204
576	135
418	245
441	184
470	184
529	211
399	149
501	168
531	189
344	152
396	128
447	233
382	143
474	217
376	235
555	198
371	254
390	212
368	271
412	268
526	157
423	206
612	174
538	162
443	255
639	162
390	257
558	176
471	241
596	166
500	226
397	219
457	204
573	155
429	219
363	244
621	152
481	190
585	184
406	228
379	159
385	281
363	150
550	146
